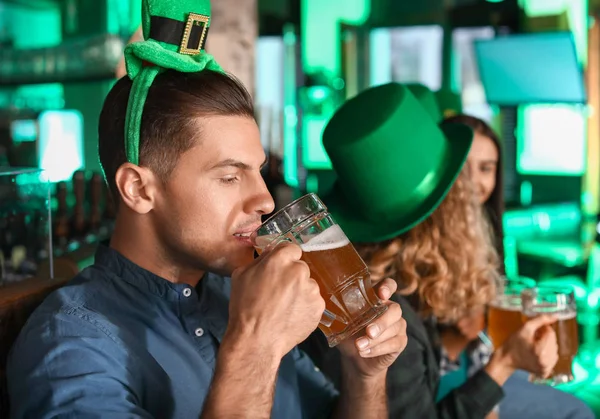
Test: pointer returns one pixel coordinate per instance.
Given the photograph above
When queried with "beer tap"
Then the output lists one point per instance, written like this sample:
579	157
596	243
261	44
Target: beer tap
61	228
79	221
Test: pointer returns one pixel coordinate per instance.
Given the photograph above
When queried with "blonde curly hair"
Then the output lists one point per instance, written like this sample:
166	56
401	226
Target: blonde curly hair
448	261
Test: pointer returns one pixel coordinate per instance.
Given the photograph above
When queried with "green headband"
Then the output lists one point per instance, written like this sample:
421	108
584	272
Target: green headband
175	33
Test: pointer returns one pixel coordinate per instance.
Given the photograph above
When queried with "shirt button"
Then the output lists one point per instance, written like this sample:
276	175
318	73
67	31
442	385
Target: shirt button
187	292
199	332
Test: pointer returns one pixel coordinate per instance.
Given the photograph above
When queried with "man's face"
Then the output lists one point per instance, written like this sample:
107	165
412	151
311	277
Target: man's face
215	197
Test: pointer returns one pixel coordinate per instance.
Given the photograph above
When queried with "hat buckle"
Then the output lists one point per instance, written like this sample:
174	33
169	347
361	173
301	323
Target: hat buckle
194	20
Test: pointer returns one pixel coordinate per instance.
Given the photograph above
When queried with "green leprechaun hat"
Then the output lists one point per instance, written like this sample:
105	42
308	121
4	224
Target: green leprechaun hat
427	100
450	103
175	33
394	164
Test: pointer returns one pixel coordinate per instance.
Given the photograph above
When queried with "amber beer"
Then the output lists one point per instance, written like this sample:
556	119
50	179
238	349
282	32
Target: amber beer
568	343
343	277
504	314
504	319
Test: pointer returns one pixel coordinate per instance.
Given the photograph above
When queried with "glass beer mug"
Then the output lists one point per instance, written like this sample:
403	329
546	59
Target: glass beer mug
560	302
343	277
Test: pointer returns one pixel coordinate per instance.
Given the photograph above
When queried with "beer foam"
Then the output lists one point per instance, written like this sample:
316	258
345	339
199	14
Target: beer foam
330	239
505	306
561	313
566	315
507	302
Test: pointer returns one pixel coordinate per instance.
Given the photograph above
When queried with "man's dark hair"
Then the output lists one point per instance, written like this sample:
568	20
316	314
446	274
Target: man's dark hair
169	122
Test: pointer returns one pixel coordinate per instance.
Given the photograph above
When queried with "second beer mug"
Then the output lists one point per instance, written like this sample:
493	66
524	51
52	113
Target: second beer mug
343	277
560	302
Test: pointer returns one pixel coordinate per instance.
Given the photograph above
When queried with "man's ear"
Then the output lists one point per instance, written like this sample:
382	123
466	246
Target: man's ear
137	187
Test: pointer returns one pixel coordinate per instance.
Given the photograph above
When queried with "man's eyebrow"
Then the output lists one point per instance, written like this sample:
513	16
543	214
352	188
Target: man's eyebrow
231	163
238	164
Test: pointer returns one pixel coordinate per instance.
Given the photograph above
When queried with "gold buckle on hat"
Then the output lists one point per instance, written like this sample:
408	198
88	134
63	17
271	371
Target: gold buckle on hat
192	20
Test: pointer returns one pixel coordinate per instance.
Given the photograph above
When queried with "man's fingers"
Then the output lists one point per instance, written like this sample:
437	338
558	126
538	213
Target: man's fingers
396	329
393	346
386	288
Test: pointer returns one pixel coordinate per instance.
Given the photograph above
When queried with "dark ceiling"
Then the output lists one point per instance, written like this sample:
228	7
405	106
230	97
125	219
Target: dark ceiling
275	13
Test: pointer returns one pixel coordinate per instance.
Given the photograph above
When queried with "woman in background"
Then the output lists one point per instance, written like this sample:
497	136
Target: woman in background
522	398
485	167
404	201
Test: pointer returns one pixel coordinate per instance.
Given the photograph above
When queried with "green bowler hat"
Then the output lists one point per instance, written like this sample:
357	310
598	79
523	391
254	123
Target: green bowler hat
394	165
175	33
450	103
427	99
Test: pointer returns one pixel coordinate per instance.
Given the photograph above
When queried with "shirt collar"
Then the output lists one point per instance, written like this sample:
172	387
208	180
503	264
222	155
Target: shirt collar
210	297
112	260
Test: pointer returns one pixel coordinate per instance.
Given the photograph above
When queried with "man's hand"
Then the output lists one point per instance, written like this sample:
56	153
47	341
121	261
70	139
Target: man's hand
275	304
367	357
373	351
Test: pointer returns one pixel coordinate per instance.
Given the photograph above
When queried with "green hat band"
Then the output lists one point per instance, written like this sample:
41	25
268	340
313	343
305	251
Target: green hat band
135	108
190	36
175	34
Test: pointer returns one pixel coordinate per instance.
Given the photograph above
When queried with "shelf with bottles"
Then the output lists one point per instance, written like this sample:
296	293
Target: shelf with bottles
25	220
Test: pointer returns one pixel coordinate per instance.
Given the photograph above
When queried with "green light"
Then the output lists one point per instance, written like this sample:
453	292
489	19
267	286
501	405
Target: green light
314	155
511	262
338	83
60	144
312	183
526	193
23	131
290	114
321	55
577	11
592	300
290	170
526	224
320	31
552	140
124	16
29	181
42	27
574	282
317	93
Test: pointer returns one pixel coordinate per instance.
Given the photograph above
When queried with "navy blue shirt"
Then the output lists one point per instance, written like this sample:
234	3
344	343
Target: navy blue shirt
120	342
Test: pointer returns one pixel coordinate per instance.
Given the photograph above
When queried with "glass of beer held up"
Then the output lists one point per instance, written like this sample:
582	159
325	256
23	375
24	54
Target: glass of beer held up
504	314
343	277
560	302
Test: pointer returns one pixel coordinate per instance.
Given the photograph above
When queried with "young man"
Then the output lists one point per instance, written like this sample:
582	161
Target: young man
153	329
